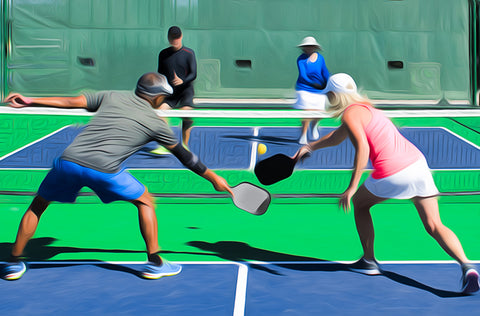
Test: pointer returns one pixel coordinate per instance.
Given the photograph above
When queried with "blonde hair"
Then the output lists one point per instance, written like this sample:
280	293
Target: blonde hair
340	101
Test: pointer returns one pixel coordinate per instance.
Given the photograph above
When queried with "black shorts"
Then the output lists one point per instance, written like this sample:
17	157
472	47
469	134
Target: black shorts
180	98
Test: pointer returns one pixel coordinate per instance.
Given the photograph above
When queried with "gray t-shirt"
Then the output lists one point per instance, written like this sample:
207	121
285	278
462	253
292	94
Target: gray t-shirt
123	124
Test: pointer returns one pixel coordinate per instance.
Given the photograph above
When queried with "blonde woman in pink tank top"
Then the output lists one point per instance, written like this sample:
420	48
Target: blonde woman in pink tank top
400	171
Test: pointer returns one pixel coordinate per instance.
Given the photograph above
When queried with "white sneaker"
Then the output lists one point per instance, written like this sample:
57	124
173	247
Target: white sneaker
315	133
470	281
366	267
303	140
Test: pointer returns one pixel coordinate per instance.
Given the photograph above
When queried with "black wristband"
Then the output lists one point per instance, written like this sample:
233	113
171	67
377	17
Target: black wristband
188	159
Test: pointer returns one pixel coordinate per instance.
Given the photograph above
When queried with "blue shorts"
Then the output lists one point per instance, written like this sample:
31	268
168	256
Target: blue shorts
66	178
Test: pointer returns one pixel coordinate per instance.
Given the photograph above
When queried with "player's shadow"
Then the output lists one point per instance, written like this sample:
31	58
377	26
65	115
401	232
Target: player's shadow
264	139
40	249
334	266
240	251
413	283
96	263
243	252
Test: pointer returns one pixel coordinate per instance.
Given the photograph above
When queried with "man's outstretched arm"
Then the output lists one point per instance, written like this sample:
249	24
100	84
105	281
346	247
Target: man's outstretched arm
17	100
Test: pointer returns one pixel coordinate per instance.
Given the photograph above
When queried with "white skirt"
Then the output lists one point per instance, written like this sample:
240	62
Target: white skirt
310	101
415	180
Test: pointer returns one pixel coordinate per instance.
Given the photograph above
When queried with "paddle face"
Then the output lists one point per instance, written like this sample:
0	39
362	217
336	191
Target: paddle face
251	198
274	169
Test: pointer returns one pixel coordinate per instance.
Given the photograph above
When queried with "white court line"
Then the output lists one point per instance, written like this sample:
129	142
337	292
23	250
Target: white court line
349	262
246	263
456	135
253	155
32	143
240	288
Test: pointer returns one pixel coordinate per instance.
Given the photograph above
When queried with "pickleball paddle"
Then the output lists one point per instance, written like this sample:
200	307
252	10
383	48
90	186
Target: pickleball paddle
251	198
274	169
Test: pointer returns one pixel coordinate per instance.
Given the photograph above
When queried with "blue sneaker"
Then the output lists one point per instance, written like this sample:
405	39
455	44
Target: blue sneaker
152	271
14	270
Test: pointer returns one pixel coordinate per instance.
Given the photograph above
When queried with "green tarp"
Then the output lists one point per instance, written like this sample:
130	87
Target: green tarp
396	50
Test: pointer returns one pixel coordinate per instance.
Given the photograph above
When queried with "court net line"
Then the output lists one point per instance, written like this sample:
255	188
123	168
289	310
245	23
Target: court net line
249	113
224	195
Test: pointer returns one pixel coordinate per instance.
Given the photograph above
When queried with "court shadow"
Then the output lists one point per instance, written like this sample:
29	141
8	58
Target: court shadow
335	266
96	263
40	249
324	266
413	283
264	139
240	251
119	268
243	252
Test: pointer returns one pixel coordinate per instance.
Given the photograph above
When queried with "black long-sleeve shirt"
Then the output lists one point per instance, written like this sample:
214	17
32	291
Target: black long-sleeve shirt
182	62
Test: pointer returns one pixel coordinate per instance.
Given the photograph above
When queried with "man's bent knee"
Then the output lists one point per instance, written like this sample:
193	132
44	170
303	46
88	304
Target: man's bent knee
39	205
146	198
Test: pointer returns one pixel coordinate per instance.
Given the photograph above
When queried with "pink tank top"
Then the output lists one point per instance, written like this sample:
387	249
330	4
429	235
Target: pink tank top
390	152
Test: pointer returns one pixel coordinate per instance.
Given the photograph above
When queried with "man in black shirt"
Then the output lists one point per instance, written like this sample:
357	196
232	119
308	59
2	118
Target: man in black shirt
178	64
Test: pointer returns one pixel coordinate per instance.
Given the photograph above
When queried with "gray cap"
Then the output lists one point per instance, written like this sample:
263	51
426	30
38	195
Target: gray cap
153	84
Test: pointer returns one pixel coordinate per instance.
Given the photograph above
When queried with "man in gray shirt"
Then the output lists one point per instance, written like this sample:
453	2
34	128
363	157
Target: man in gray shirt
124	122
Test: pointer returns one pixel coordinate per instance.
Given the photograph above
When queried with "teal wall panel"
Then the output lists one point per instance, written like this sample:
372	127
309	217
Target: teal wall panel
51	38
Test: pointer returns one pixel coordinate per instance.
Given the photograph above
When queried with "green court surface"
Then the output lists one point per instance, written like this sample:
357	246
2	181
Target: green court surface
191	231
201	229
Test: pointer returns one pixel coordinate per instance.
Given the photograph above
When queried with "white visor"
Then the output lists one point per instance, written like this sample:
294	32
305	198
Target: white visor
341	83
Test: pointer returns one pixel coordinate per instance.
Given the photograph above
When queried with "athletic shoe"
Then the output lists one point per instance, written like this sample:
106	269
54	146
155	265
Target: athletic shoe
160	151
152	271
366	267
303	140
315	133
14	270
470	280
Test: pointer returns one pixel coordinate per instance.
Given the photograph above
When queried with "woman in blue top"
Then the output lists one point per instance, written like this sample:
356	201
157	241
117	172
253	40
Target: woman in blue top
312	79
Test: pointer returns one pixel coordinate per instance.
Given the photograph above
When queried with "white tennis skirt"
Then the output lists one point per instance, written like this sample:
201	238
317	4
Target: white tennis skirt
414	181
310	101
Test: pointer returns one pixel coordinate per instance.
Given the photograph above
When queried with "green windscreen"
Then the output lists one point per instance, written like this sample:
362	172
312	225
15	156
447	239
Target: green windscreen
406	50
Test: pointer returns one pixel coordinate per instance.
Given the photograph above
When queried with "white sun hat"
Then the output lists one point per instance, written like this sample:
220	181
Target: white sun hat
309	41
341	83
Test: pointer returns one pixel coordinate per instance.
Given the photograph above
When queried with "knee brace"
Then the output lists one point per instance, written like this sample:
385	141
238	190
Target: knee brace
187	123
39	205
